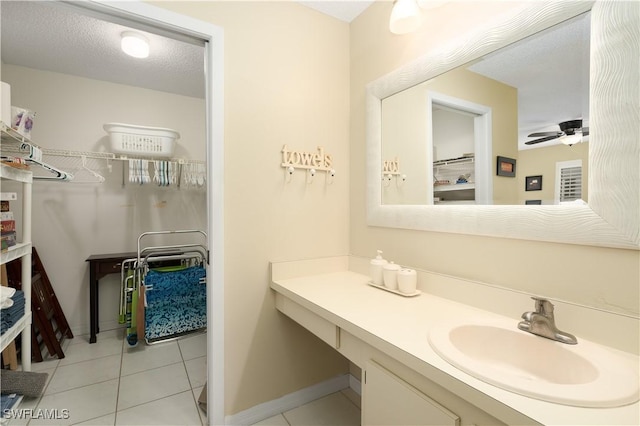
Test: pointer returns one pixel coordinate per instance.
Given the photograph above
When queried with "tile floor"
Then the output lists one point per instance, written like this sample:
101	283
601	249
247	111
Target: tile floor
340	408
108	383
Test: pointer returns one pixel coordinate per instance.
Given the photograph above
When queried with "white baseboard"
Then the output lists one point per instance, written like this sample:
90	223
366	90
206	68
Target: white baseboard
79	330
290	401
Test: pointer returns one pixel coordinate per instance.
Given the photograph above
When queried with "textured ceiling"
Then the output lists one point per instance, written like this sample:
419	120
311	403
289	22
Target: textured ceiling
54	37
61	38
551	72
345	11
57	37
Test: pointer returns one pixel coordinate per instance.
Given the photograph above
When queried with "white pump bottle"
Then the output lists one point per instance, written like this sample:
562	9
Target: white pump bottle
376	269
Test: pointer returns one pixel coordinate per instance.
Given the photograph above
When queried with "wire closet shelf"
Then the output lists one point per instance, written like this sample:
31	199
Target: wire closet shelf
90	167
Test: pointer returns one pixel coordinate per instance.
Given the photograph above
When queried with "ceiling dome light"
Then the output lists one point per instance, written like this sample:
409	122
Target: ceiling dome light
134	44
405	17
571	139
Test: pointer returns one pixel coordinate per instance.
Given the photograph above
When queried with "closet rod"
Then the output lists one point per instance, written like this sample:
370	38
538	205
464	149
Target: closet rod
112	156
57	173
32	155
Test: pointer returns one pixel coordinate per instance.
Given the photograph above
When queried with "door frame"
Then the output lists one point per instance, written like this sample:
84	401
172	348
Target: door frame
213	36
483	142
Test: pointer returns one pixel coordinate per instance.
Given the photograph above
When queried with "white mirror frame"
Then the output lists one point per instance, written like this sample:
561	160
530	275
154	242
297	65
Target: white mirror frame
612	217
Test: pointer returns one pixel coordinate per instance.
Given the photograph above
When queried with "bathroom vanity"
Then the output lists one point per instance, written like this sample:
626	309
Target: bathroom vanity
404	381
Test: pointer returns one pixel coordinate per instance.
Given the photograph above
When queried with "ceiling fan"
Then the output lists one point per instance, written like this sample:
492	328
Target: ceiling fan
570	131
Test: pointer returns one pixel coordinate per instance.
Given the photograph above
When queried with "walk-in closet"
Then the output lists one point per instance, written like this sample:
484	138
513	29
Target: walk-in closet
117	148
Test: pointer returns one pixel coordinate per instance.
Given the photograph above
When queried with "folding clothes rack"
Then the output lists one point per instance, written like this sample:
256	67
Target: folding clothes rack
163	290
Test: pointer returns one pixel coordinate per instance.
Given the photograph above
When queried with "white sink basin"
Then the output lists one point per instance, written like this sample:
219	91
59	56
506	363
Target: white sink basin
584	375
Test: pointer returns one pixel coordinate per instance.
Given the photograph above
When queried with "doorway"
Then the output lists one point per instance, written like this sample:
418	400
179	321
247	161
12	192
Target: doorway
473	154
154	19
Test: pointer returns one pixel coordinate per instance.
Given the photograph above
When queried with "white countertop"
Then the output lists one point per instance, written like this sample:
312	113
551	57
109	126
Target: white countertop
399	326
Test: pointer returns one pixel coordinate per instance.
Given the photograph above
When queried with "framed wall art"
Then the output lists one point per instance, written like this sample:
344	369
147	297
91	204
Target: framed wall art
506	167
533	183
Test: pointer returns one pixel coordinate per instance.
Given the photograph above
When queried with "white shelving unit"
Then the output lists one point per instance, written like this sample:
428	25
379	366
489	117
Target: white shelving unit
454	187
449	171
21	250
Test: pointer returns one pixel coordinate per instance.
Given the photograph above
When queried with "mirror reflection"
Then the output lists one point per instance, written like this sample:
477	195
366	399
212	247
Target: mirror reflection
510	128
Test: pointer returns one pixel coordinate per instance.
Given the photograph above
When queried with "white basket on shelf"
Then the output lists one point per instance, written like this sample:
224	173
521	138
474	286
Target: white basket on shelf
141	140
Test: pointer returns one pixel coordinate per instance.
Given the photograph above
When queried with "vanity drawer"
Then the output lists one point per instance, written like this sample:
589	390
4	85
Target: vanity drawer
319	326
354	349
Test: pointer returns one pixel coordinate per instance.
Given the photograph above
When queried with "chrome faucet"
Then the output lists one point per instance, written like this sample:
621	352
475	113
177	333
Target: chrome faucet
542	323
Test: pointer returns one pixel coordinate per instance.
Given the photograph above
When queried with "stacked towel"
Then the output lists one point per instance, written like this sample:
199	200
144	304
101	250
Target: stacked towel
9	316
7	402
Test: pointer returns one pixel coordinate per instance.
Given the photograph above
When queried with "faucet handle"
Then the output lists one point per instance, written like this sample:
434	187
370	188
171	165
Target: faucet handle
543	306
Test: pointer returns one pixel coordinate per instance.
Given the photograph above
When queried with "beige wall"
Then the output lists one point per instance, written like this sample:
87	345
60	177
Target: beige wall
286	82
71	221
296	77
404	137
404	132
542	161
503	100
601	277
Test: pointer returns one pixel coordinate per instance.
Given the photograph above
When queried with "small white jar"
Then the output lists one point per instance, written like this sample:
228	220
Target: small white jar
390	273
407	280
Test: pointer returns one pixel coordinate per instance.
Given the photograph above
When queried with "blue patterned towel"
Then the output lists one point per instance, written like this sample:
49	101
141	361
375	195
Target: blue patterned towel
176	302
9	316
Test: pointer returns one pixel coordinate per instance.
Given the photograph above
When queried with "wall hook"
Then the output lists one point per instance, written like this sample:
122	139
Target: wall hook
289	173
330	175
310	175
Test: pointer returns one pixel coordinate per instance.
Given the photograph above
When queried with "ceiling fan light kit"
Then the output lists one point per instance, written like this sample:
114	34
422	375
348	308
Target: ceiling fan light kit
571	132
571	139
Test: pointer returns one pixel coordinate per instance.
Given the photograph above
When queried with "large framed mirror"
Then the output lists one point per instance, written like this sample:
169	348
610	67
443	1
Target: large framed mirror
611	215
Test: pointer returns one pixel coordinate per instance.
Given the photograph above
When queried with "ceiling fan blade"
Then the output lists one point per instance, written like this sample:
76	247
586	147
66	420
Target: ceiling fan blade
548	138
542	134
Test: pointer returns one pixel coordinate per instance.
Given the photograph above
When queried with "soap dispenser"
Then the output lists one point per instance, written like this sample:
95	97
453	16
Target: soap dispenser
376	269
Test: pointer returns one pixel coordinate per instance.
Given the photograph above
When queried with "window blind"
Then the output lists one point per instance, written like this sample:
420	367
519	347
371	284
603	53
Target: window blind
570	183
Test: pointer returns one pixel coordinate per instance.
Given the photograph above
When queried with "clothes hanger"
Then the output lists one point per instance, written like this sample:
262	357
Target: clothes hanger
95	174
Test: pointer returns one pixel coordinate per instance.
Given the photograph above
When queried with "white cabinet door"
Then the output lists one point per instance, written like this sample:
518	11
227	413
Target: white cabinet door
388	400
